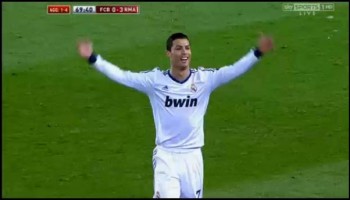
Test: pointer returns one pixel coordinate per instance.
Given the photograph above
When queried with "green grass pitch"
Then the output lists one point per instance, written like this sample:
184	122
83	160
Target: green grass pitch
281	130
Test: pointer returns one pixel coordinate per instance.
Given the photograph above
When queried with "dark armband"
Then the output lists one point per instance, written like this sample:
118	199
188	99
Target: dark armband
257	52
92	59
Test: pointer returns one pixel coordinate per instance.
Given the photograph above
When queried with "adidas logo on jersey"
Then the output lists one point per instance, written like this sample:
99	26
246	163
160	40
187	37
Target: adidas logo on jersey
165	88
187	102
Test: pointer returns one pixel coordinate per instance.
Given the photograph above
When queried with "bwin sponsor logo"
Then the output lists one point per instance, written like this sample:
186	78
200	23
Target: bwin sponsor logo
187	102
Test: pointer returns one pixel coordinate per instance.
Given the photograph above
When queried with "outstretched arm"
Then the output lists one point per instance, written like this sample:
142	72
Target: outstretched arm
230	72
140	81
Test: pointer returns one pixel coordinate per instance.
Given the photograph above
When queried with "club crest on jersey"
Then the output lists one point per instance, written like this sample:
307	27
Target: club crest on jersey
193	87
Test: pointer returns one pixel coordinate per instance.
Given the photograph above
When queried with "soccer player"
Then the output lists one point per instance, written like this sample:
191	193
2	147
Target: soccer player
179	98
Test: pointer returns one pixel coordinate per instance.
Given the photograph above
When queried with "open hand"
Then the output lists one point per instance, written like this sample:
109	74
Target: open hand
85	48
265	43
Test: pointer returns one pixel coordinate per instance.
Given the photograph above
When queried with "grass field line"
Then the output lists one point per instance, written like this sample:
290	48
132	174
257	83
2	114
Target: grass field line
308	182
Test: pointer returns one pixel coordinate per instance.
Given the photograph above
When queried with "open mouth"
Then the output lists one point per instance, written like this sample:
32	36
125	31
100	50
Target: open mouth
184	59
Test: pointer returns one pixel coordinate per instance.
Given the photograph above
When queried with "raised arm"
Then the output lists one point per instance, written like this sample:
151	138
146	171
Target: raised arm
140	81
230	72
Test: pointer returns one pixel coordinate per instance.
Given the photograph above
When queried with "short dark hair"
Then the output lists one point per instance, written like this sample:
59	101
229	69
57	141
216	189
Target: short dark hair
169	42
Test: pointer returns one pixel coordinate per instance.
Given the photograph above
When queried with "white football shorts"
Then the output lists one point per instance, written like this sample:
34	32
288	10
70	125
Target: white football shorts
177	174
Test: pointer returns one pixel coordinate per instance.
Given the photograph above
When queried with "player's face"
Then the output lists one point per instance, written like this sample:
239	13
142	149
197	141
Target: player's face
180	54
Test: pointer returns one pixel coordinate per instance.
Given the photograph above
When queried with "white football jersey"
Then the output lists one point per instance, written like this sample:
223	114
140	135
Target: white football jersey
178	107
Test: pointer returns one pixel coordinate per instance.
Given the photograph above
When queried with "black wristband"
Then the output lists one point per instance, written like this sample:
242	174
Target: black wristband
92	59
258	53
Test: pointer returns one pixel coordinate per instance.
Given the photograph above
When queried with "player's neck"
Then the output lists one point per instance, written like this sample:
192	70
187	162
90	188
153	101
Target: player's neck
180	74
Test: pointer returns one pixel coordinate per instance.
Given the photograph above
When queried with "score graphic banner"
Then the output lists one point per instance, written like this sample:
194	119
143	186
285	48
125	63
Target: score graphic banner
92	9
58	9
106	9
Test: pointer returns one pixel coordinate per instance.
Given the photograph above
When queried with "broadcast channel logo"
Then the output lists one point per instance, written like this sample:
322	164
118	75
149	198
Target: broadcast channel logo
308	7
